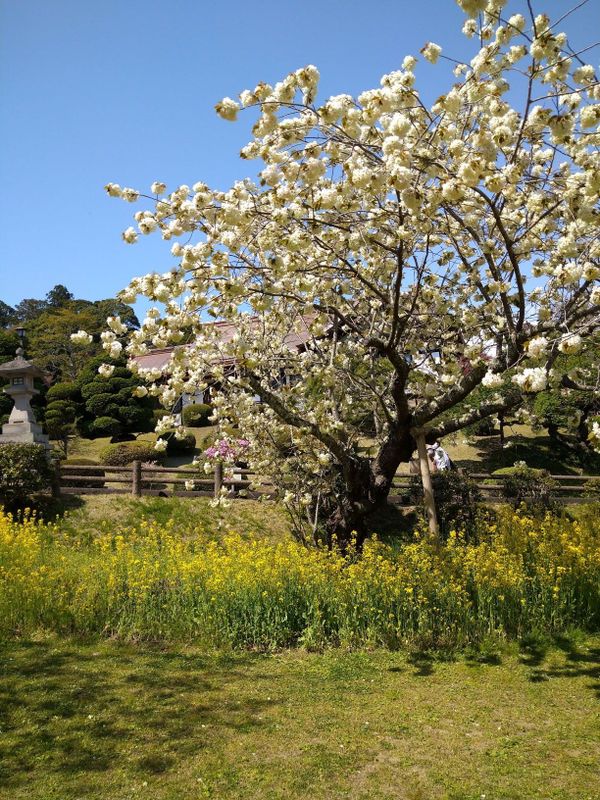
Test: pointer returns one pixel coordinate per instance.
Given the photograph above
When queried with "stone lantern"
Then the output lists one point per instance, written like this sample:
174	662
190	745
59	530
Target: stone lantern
21	426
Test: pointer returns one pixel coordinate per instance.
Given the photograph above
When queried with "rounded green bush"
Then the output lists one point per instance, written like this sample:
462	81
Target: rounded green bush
181	447
104	426
124	453
196	416
24	470
535	488
66	390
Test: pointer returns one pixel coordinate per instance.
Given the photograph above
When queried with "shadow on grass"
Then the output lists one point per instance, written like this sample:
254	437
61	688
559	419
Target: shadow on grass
563	456
578	663
78	710
422	662
393	524
479	659
47	507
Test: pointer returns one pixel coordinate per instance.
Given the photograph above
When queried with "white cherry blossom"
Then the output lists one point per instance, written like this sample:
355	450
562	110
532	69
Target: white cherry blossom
81	337
106	370
386	260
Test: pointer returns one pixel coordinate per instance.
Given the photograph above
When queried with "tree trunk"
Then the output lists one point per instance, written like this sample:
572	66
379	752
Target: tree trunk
582	427
552	430
364	489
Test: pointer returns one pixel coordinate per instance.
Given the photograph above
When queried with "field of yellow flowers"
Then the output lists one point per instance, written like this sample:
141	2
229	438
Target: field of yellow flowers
523	575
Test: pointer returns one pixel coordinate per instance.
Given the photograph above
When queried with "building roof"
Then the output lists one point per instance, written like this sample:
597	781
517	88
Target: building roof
159	358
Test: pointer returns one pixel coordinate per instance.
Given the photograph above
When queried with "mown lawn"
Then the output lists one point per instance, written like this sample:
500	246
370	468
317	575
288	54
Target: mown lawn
119	721
190	516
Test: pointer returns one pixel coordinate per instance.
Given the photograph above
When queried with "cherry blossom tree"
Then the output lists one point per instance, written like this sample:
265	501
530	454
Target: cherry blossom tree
416	253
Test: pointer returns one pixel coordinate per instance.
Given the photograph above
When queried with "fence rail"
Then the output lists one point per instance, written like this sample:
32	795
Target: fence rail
140	479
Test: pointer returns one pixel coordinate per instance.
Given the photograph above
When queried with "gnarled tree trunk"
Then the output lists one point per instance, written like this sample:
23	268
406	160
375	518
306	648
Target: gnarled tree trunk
364	490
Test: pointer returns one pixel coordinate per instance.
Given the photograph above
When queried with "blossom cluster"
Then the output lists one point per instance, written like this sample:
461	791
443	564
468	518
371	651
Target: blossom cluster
531	379
227	451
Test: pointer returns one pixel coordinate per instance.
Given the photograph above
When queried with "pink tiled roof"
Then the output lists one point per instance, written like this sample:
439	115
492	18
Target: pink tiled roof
159	358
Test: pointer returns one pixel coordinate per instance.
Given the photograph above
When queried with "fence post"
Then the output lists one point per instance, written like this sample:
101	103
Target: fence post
218	478
428	496
136	478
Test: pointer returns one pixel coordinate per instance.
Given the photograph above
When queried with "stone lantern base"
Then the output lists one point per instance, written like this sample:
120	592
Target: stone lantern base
24	433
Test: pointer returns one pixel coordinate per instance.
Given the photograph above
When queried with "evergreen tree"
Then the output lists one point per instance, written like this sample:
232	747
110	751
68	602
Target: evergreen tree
109	407
7	314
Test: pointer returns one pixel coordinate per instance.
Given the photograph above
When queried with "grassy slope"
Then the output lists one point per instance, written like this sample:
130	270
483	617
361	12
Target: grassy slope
111	721
484	454
250	518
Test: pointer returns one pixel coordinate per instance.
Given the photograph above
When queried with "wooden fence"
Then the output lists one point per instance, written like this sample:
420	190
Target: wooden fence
569	488
144	479
141	479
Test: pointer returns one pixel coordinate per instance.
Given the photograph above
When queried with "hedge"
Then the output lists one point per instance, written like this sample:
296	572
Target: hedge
196	416
124	453
24	470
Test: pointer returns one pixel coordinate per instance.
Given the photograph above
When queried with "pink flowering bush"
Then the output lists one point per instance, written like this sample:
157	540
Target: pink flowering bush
227	451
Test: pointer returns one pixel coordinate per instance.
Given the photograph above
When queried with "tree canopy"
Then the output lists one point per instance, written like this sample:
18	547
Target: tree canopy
50	322
108	405
426	251
49	342
8	345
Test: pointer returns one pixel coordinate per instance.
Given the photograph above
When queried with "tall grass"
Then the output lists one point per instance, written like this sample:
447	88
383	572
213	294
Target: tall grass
525	575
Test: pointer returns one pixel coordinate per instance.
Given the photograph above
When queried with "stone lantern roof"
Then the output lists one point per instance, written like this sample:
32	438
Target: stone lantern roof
20	366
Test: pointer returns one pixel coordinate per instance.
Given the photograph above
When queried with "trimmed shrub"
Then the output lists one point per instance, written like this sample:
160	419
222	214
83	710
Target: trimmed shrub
181	447
196	416
457	501
535	488
66	390
110	407
92	473
24	470
104	426
592	489
124	453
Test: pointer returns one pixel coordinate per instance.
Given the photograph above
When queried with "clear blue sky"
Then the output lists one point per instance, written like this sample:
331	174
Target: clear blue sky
123	90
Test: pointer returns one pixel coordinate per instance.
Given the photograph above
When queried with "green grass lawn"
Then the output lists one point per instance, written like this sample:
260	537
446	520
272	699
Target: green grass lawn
111	721
560	457
110	513
91	448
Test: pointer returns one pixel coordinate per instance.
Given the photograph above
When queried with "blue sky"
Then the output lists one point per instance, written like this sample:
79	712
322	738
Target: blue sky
123	90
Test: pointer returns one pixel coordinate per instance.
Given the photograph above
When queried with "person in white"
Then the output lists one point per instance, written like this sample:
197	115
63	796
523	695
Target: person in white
439	457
